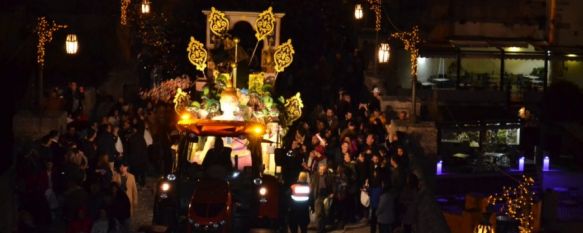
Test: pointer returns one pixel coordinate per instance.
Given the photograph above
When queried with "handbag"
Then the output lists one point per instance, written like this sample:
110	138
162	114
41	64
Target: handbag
364	199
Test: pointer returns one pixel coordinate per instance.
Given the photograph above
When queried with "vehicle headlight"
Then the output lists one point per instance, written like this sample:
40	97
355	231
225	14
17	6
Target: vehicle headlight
262	191
165	186
171	177
236	174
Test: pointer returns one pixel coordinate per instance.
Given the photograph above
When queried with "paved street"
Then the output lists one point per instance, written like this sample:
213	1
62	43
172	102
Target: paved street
144	213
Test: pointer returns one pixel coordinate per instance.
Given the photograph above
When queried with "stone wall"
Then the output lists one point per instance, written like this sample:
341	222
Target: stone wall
30	126
423	134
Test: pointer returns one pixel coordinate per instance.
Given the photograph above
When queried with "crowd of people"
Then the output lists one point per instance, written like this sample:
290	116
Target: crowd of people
356	165
88	178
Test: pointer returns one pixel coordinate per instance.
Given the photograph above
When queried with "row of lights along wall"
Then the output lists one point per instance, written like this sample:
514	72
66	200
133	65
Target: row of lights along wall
72	44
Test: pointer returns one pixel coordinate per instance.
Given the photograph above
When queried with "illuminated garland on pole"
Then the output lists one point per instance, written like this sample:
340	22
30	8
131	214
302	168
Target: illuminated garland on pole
124	12
376	7
518	203
411	41
44	31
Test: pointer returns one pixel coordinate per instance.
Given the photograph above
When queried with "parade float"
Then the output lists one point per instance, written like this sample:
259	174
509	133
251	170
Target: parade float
248	119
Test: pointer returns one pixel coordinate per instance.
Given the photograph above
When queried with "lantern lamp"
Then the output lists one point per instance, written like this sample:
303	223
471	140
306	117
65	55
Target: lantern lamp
145	7
71	44
384	53
358	11
483	228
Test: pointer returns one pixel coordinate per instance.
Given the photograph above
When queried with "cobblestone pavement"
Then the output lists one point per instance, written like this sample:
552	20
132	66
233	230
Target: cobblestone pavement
143	213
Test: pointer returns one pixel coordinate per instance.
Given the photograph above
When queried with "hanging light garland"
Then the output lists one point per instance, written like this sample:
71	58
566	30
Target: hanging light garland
518	203
44	31
411	41
124	12
375	5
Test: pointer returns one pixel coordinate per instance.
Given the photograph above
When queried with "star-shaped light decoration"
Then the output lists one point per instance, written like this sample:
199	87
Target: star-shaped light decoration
283	56
197	55
264	24
218	22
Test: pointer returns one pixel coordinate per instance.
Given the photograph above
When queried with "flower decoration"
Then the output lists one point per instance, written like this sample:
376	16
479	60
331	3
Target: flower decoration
197	54
283	56
256	82
264	24
218	22
167	90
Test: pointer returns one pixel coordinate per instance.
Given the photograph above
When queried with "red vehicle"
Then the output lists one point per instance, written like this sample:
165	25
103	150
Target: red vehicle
194	199
210	207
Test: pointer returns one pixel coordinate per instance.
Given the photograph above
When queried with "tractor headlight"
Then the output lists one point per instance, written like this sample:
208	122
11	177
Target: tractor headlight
262	191
165	186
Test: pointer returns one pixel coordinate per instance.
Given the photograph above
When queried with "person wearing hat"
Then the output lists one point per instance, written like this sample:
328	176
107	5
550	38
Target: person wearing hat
127	183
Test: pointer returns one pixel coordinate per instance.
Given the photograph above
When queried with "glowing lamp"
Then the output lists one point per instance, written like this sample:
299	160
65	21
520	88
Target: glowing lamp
358	11
513	49
262	191
384	53
521	164
439	167
257	130
483	228
571	55
185	116
145	7
71	44
165	187
546	164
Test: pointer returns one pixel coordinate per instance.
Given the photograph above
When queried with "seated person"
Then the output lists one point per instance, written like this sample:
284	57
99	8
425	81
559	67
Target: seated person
217	162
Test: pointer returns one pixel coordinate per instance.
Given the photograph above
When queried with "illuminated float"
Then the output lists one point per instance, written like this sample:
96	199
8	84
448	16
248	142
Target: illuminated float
248	120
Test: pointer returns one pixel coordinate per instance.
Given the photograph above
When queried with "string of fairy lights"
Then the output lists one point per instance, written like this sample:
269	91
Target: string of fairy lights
518	203
45	31
411	41
123	20
375	6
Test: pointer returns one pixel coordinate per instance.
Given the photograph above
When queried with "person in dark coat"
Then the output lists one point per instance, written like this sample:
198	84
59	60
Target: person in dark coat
89	148
322	188
106	143
386	210
137	155
119	207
